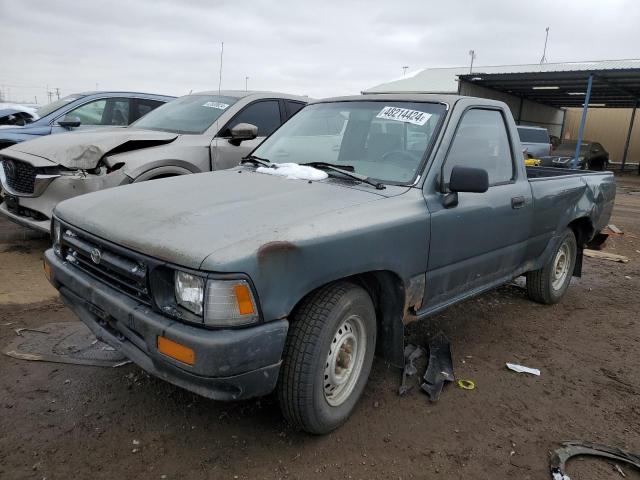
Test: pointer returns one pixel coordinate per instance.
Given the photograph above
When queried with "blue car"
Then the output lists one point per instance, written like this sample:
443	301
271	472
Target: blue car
81	111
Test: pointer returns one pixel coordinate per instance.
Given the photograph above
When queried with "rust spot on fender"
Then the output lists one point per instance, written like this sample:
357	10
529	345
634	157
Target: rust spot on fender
275	248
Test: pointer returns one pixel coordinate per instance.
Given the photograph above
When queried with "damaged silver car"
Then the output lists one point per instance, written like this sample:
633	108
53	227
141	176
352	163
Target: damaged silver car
195	133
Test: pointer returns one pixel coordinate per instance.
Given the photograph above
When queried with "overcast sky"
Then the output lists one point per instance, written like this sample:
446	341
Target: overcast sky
317	48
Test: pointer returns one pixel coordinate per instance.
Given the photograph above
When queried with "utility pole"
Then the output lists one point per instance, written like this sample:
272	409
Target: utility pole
404	70
58	93
246	84
472	54
544	52
220	79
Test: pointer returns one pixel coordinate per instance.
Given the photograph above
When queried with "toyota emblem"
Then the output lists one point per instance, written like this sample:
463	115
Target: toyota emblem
96	255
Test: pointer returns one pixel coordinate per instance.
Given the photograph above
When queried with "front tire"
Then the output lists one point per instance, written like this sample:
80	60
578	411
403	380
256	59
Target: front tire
327	357
549	284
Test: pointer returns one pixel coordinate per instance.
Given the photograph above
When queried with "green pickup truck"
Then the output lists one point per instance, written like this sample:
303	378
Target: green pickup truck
292	270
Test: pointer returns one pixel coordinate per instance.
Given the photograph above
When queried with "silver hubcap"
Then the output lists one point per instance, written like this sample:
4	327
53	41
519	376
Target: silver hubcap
561	266
344	361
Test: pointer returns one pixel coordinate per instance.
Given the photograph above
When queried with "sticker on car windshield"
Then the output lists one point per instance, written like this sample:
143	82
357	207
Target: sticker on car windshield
404	115
218	105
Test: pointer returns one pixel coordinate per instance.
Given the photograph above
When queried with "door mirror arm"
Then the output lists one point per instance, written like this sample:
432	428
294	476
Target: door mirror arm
70	121
241	132
464	179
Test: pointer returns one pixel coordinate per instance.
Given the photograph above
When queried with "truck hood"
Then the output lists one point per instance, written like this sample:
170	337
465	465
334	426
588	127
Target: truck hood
84	149
183	220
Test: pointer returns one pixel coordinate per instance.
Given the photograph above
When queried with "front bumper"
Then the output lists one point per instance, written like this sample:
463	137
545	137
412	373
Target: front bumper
230	364
29	222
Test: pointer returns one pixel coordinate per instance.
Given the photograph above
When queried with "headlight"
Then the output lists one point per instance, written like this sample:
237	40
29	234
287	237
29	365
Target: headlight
56	236
229	303
189	291
219	303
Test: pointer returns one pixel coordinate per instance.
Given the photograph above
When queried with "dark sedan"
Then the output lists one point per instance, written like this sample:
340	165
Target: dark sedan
79	111
592	156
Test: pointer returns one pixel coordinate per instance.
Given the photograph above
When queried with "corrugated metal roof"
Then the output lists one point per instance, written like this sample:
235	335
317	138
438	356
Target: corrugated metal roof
444	80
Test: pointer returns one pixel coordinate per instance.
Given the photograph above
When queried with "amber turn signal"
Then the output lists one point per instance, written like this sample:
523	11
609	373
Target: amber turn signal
47	270
243	297
176	351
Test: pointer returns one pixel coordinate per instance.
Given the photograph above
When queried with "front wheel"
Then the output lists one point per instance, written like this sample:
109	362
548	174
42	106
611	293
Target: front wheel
328	357
549	284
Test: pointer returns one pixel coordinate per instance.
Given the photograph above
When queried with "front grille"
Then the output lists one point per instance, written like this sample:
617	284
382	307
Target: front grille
21	176
120	271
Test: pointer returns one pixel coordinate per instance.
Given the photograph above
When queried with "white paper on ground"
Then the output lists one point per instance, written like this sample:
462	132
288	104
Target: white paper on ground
294	171
560	476
522	369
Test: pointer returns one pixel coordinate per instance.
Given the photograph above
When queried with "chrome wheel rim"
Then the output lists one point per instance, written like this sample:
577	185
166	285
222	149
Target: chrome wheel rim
561	266
344	360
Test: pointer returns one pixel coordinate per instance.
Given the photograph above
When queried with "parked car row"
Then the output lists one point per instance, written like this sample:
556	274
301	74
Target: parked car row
195	133
302	255
549	151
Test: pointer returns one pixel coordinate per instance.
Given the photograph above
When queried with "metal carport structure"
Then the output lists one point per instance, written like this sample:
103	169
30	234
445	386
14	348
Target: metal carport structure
605	84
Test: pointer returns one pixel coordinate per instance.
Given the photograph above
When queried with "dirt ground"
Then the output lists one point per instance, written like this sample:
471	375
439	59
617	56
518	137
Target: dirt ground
61	421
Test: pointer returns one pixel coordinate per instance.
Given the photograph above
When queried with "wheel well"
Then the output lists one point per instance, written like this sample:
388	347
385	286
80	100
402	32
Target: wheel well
164	175
388	293
583	230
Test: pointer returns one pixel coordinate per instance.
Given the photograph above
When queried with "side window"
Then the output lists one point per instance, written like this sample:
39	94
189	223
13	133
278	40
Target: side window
117	112
293	107
90	113
144	106
481	141
264	114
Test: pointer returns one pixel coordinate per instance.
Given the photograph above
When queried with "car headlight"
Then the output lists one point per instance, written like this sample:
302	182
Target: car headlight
56	236
220	303
229	303
189	291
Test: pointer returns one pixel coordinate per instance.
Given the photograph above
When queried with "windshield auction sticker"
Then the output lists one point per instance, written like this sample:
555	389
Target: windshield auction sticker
404	115
221	106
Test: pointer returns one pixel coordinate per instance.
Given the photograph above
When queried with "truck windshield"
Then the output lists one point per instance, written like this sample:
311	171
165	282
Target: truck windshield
384	140
188	114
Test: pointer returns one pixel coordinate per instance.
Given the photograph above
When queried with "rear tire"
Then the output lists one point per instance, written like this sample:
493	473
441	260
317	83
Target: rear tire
549	284
327	358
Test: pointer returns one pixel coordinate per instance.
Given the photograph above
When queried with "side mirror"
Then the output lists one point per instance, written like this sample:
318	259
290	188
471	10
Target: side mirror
241	132
467	179
69	121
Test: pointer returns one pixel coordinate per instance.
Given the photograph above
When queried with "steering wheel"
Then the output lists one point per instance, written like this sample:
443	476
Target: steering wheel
398	156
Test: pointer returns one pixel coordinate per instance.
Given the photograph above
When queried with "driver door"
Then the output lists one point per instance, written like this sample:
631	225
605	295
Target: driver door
483	239
264	114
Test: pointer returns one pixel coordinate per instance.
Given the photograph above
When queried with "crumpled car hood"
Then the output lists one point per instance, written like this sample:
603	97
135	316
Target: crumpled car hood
183	220
84	149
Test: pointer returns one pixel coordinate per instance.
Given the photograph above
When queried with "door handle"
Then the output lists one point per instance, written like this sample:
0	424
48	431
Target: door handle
517	202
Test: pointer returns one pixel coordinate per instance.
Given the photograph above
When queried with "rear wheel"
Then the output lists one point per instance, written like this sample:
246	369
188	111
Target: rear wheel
549	284
328	357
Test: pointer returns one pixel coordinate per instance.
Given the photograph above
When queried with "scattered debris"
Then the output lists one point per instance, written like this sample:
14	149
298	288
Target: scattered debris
522	369
411	354
440	367
66	342
615	229
573	448
20	330
605	256
466	384
619	470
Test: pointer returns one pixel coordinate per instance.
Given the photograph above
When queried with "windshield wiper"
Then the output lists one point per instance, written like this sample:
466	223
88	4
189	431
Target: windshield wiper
263	162
346	170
